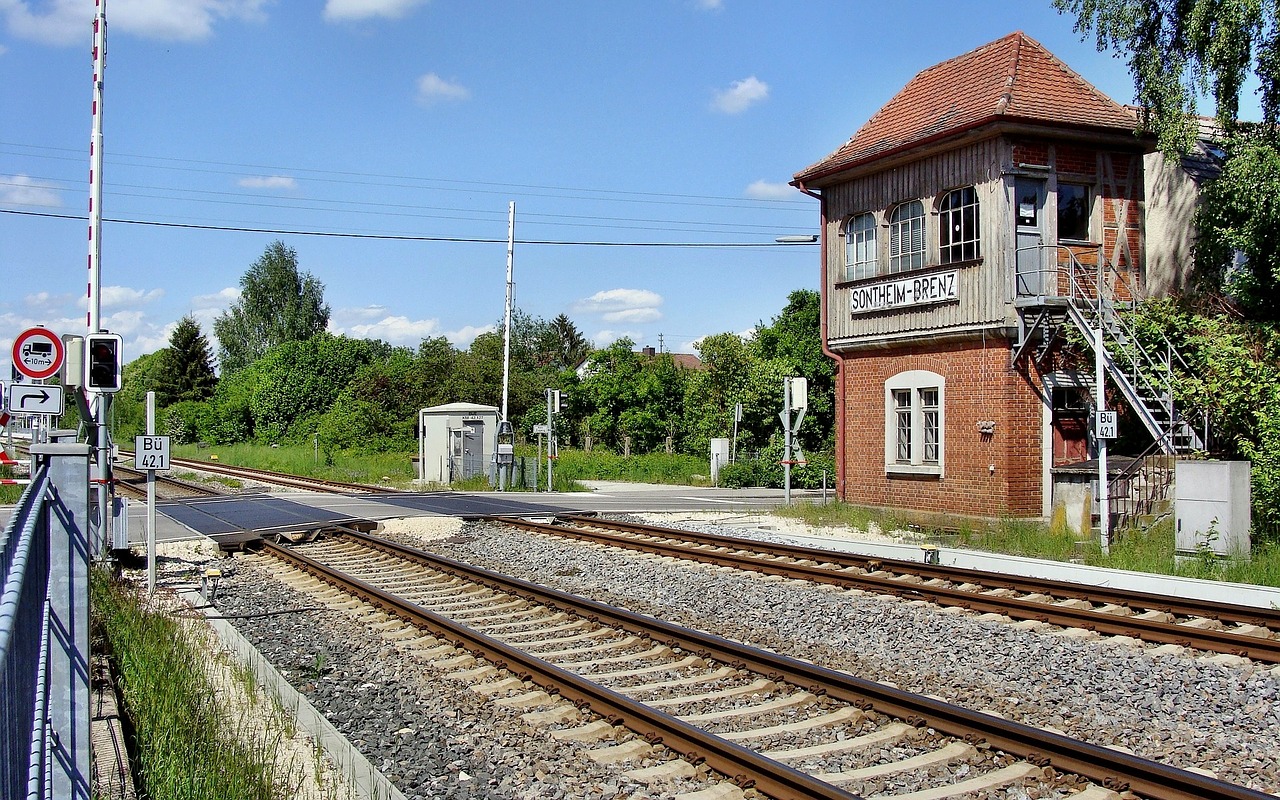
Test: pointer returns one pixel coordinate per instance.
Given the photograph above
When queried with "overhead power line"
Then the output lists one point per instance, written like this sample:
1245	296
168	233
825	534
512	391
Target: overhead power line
396	237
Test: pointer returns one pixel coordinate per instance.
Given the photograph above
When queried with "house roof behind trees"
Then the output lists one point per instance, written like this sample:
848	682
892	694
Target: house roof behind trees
1013	79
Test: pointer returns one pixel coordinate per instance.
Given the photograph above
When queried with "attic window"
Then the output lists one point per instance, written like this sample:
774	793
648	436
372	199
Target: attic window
906	237
958	226
860	241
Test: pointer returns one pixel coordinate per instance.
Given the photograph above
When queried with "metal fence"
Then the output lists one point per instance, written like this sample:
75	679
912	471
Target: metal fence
44	632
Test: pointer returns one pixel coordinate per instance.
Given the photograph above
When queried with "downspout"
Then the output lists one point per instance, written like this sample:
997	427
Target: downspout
822	325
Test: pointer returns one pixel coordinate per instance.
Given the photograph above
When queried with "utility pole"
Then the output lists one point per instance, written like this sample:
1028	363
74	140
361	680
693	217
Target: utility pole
506	335
94	315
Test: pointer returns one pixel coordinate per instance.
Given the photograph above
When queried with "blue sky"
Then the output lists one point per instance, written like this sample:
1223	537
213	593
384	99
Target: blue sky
628	124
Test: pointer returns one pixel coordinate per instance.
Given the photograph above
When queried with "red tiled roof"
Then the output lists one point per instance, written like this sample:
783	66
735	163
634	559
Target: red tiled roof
1011	79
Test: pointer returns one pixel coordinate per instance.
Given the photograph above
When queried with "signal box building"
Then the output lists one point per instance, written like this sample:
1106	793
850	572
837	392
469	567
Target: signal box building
965	226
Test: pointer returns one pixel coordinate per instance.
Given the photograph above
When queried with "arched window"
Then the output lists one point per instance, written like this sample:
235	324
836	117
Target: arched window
906	237
958	226
914	422
860	244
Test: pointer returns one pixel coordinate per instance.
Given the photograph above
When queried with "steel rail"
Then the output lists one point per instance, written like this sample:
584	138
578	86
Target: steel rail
1258	648
1191	607
1112	768
743	766
161	480
282	478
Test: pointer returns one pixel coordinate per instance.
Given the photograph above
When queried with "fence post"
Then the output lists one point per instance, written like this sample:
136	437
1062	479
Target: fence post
67	515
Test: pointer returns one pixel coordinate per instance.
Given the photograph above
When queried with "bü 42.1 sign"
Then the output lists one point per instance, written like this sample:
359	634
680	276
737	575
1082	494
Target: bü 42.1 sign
151	452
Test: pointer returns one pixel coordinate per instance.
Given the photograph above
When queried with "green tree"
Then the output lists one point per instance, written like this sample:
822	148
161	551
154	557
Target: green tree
573	346
627	394
793	340
277	304
129	405
186	372
1181	51
732	373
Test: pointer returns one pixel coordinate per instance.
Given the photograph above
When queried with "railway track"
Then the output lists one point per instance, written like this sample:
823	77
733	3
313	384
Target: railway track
134	483
1243	631
784	727
277	478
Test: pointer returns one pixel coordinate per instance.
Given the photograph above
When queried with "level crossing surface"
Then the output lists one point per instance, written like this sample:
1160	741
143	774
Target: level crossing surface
294	511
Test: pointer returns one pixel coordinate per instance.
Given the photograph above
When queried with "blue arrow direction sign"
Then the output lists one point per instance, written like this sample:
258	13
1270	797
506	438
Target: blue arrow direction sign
35	399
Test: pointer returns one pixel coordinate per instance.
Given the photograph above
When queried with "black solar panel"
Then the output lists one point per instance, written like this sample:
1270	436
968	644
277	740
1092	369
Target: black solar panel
221	515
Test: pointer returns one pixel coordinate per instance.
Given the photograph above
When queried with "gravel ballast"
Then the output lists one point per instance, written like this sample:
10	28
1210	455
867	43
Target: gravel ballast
436	738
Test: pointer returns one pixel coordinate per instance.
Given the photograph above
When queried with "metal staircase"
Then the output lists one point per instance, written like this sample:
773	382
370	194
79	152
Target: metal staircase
1085	297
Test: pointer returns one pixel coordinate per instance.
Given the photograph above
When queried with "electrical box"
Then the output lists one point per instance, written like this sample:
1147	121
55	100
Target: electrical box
799	388
506	453
73	361
1212	510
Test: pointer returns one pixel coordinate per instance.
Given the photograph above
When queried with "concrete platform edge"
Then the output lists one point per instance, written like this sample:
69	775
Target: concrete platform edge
363	779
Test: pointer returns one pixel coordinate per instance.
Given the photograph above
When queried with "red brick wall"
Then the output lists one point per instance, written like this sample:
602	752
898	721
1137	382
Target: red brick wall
979	387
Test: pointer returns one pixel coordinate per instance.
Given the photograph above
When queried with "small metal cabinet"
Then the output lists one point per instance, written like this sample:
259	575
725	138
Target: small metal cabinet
1212	510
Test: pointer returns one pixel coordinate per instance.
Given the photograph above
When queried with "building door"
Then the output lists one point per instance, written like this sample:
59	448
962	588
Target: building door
1032	277
473	448
1070	425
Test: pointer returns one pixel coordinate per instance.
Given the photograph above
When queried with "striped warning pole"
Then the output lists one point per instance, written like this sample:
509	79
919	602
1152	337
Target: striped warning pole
5	459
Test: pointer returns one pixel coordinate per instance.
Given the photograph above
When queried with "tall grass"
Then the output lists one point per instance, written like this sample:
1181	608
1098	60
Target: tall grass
680	470
350	467
1151	550
185	749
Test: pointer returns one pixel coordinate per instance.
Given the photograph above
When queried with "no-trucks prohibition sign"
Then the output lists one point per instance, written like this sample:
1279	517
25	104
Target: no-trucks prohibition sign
38	353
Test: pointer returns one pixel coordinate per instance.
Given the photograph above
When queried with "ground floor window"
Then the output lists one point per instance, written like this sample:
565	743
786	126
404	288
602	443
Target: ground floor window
914	422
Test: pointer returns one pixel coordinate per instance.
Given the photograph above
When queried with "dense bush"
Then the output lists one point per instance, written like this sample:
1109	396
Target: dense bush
184	421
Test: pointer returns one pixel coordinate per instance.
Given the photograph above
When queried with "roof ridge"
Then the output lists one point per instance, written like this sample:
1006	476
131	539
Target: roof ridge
1011	77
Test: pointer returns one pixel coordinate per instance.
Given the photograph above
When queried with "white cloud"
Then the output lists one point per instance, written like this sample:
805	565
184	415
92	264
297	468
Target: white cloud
633	316
431	87
613	301
740	95
116	296
344	10
44	301
217	300
268	182
709	5
22	190
764	190
63	22
464	336
368	313
395	329
607	337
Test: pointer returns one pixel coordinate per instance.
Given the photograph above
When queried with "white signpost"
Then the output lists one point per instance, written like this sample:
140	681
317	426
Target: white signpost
31	398
1106	424
151	452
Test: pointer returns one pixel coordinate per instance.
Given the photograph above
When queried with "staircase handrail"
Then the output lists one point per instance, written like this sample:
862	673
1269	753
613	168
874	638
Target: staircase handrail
1091	306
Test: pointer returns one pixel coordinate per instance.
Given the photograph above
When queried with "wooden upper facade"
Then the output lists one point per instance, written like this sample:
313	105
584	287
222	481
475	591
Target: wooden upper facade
944	213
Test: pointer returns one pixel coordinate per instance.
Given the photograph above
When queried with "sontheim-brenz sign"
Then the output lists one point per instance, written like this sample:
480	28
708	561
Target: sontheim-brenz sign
936	288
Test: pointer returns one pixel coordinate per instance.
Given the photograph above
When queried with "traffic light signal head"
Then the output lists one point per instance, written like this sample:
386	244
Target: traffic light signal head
103	353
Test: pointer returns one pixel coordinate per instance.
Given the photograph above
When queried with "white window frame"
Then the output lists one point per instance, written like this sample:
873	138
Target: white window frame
961	225
916	253
916	386
861	254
